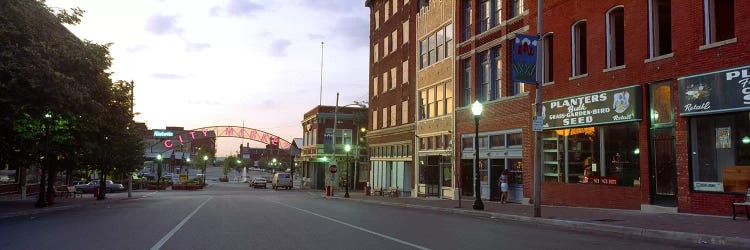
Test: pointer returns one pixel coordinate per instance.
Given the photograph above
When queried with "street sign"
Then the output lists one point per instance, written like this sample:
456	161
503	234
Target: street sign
183	177
538	123
332	169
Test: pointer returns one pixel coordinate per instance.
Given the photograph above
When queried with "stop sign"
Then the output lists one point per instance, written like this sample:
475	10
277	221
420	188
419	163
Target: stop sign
332	169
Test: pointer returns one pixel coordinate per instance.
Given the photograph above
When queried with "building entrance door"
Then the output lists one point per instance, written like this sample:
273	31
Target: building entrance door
663	168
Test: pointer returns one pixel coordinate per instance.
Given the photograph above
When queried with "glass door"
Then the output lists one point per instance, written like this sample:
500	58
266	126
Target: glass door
663	168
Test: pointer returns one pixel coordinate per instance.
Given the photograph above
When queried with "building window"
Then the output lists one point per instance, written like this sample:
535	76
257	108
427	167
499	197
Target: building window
431	112
467	143
483	19
519	88
660	27
449	40
422	104
433	53
405	30
578	48
343	136
549	58
405	112
448	98
394	36
375	86
393	77
467	19
440	37
466	83
497	69
387	11
720	146
440	99
483	76
497	141
385	117
375	52
377	20
385	81
395	6
393	115
423	52
515	140
386	48
497	13
375	119
606	155
718	20
615	23
405	72
516	8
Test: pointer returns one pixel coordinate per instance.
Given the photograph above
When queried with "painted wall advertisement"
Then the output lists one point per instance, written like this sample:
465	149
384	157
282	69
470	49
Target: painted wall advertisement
720	91
609	106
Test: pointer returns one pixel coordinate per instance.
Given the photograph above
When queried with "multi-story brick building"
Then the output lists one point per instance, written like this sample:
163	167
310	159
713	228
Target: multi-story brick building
487	30
392	86
316	159
645	103
435	88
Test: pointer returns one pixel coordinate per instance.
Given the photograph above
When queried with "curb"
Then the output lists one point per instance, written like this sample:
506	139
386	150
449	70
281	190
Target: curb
585	226
68	207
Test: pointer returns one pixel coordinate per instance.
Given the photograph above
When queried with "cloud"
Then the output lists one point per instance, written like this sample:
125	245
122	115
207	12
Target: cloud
167	76
137	48
355	30
237	8
196	46
279	46
162	25
316	37
333	5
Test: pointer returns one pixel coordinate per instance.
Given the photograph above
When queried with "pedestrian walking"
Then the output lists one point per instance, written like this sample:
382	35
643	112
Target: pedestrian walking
504	186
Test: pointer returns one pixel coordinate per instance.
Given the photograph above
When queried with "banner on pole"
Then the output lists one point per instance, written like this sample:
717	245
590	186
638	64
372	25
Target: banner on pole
328	143
524	59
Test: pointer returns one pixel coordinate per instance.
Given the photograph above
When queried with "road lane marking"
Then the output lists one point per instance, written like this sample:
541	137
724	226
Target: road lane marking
177	228
353	226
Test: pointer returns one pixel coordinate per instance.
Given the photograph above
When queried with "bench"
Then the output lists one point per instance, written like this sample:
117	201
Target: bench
741	203
393	192
377	191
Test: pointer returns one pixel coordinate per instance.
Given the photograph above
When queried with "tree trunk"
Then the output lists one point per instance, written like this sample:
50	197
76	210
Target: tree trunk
51	179
102	186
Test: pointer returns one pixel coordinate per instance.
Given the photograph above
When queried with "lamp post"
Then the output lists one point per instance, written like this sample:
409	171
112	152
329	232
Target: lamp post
187	168
42	199
158	169
205	162
476	109
347	148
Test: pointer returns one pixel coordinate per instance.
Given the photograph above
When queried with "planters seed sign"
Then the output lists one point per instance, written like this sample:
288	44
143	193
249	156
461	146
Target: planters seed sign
610	106
715	92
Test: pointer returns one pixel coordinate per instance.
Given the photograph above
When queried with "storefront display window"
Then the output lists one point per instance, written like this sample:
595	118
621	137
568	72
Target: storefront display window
515	171
720	146
607	155
483	170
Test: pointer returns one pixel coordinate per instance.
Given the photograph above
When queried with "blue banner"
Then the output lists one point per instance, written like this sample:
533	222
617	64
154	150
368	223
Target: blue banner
328	143
524	59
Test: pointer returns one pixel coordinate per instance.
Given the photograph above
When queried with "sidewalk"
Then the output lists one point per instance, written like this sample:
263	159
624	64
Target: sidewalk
702	229
12	206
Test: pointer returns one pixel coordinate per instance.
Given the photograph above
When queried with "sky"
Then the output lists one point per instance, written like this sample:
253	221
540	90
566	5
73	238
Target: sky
202	63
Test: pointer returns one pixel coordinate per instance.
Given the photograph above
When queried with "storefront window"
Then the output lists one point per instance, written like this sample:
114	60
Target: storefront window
467	142
515	171
483	170
515	140
720	146
606	155
497	141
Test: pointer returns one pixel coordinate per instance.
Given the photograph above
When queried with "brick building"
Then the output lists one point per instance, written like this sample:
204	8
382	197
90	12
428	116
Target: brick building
435	85
392	86
646	104
315	158
486	31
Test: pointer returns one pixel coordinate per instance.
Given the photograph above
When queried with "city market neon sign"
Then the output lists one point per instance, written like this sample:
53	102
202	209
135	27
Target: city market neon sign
159	133
227	131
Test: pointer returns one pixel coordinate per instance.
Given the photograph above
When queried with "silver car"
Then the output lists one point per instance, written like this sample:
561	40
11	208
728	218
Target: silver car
258	182
89	187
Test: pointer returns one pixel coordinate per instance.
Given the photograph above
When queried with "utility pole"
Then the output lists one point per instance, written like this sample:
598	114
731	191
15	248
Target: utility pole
538	113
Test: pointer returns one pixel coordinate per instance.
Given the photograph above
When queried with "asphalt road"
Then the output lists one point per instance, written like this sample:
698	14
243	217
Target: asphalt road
235	216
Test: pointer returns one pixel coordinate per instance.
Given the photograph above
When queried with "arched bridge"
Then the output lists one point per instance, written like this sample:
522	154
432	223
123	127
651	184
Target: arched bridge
226	131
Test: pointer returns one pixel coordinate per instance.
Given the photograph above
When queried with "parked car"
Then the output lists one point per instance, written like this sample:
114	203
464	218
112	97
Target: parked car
281	180
89	187
258	182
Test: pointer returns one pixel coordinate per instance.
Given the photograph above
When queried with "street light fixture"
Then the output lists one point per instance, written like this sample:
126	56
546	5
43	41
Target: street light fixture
158	169
205	162
347	148
476	109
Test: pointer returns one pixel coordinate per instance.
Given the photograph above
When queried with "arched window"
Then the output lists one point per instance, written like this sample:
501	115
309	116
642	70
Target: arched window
578	48
615	24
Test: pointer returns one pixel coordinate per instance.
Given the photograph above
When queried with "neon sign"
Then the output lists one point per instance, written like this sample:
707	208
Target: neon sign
227	131
158	133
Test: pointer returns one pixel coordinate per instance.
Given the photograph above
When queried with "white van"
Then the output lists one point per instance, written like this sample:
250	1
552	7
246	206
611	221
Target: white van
282	180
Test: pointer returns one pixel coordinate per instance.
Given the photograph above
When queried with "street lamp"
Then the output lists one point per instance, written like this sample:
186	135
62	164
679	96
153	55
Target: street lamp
187	168
347	148
158	169
476	109
42	199
205	161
